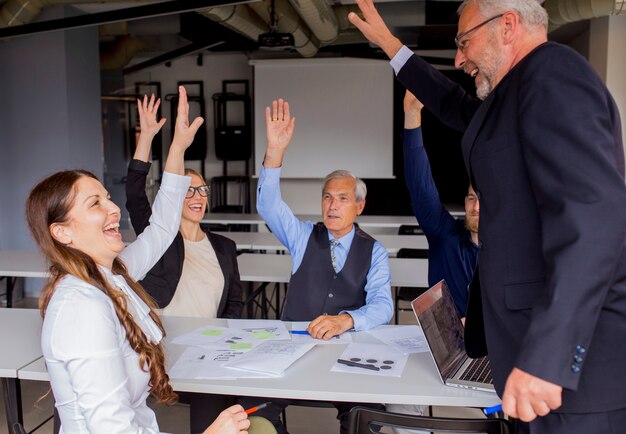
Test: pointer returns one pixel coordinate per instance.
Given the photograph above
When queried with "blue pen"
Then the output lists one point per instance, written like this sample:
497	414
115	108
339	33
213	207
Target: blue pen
493	409
299	332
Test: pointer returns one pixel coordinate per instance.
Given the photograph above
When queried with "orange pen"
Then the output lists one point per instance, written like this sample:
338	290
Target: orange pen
257	408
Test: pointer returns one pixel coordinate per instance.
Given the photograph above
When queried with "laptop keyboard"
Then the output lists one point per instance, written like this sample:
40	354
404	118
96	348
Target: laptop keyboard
478	371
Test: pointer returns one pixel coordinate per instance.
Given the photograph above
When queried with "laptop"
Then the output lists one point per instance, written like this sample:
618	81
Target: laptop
441	325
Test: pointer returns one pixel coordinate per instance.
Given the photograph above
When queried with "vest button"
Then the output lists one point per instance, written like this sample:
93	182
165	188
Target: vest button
330	295
335	276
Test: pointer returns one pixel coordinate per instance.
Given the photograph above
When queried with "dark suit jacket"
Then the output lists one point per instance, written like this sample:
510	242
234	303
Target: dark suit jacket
544	153
162	280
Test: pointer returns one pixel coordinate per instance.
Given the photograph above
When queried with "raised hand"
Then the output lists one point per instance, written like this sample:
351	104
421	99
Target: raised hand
149	125
374	28
412	111
183	135
147	115
184	132
280	126
233	420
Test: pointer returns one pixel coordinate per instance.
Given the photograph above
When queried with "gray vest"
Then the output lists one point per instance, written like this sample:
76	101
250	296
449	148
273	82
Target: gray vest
316	289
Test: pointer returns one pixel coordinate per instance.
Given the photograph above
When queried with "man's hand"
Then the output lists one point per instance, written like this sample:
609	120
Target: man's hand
374	28
526	396
412	111
327	326
280	126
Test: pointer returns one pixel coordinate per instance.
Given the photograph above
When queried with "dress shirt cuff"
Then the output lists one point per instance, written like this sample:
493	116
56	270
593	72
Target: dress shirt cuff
139	166
358	318
269	175
173	182
400	58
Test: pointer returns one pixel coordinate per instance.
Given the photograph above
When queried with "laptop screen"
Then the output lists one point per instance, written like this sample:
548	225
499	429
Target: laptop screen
441	326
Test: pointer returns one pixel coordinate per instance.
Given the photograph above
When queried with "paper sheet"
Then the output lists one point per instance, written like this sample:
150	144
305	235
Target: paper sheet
200	363
261	329
201	336
271	357
406	339
381	360
344	338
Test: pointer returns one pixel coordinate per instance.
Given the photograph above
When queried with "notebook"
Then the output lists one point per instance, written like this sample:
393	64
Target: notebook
441	325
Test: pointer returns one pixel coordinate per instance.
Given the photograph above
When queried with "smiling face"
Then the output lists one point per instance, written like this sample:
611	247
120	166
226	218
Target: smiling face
481	56
195	207
93	223
339	206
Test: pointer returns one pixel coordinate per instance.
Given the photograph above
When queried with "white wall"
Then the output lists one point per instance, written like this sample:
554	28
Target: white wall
49	118
304	196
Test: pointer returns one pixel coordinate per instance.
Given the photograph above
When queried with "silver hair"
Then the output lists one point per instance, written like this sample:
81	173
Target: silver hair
531	13
360	190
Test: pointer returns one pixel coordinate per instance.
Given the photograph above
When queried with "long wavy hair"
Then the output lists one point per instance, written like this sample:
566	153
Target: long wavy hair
50	202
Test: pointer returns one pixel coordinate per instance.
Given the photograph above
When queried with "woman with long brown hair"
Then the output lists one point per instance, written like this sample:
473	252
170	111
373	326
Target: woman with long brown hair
101	339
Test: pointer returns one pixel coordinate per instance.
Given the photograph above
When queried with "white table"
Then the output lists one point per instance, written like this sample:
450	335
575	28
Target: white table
268	241
258	267
17	263
20	331
310	377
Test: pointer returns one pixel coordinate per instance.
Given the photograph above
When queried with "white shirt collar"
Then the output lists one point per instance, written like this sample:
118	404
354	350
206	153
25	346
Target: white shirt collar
136	306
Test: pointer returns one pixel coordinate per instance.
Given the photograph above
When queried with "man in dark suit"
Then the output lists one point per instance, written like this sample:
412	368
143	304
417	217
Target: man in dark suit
545	155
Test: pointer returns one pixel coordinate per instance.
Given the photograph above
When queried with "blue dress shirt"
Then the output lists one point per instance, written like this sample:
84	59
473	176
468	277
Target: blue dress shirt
294	234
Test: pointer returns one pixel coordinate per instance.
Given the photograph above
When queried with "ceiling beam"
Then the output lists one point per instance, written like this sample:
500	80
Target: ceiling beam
127	14
174	54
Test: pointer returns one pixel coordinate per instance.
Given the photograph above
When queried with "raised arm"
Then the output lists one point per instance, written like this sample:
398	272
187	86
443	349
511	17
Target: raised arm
141	255
374	28
430	213
290	231
137	202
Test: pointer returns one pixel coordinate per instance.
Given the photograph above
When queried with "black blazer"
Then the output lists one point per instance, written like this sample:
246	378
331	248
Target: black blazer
544	153
162	280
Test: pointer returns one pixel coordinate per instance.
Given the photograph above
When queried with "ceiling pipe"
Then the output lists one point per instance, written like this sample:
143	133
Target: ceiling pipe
319	17
288	21
239	18
561	12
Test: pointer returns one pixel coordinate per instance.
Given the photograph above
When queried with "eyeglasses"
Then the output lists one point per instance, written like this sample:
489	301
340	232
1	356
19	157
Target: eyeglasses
203	190
462	44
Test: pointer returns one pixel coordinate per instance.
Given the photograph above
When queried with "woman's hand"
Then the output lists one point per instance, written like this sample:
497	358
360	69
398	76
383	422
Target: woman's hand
233	420
183	131
149	126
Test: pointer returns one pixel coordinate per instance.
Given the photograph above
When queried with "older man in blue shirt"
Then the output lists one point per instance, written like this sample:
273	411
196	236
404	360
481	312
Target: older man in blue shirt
340	275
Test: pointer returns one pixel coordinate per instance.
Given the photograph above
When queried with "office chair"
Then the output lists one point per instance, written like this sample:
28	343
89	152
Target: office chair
362	419
404	293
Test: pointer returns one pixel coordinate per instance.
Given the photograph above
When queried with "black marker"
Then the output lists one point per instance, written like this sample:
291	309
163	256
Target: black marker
358	365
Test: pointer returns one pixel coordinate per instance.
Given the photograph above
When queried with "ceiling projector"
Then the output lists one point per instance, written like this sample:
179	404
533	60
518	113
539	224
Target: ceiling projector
276	41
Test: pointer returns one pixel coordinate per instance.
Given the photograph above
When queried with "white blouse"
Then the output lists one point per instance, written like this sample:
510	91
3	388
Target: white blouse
95	375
